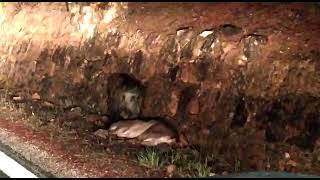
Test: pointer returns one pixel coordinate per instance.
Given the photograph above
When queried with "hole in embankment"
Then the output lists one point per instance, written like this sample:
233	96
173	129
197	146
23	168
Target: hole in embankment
126	95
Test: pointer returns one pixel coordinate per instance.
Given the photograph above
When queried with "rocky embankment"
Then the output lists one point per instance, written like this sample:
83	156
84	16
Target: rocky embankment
230	76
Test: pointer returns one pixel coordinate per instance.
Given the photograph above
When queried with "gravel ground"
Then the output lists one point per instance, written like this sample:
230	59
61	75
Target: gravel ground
43	159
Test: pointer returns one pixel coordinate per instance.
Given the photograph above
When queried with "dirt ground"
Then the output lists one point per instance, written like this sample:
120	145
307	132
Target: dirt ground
77	146
71	137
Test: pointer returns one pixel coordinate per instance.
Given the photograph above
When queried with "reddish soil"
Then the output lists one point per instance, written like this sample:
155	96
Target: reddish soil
277	92
77	146
108	165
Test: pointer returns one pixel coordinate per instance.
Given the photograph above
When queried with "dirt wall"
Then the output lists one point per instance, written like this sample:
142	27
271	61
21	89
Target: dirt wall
214	69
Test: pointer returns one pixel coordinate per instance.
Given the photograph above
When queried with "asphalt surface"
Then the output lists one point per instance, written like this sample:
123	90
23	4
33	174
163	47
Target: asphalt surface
24	162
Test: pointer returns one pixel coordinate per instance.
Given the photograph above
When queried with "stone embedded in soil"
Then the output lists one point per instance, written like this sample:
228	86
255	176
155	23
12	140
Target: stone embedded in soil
17	98
101	133
205	33
171	168
35	96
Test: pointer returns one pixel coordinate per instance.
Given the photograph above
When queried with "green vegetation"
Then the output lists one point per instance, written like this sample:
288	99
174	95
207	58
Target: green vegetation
186	162
149	158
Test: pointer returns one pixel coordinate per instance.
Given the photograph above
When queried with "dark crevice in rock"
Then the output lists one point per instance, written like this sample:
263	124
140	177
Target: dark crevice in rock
137	61
168	52
183	29
241	114
173	72
185	97
230	30
274	132
203	68
46	84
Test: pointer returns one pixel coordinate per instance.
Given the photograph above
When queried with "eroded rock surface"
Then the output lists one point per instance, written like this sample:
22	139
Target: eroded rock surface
212	69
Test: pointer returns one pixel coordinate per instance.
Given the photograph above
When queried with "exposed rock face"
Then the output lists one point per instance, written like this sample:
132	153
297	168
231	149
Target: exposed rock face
213	66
